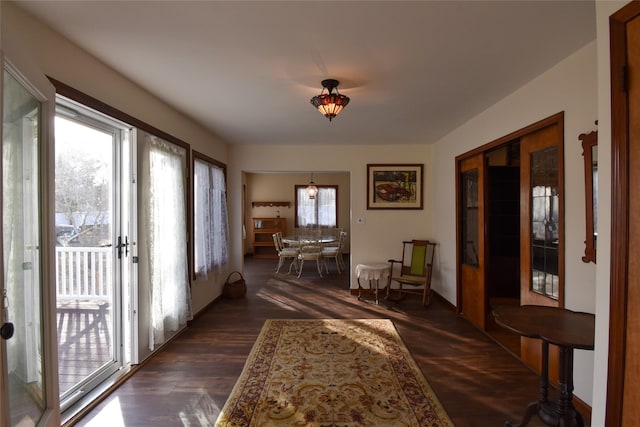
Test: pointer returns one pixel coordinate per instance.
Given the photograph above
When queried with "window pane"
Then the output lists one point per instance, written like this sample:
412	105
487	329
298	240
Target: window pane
544	226
85	275
470	218
305	209
201	216
210	217
22	125
326	200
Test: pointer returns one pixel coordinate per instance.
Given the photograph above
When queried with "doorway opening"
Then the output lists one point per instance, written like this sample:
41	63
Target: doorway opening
511	213
503	237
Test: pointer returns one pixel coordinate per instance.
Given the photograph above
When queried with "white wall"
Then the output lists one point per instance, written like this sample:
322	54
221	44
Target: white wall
570	87
57	57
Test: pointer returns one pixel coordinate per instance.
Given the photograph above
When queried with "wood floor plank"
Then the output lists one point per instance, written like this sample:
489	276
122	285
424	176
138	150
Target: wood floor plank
478	382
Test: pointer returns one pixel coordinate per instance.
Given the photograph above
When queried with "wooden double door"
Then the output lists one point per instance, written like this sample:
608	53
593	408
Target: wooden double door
511	234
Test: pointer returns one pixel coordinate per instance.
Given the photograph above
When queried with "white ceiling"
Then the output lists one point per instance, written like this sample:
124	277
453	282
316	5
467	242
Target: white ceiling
247	69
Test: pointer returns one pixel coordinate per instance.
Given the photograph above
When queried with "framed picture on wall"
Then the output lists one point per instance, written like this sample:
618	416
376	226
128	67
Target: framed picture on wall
394	186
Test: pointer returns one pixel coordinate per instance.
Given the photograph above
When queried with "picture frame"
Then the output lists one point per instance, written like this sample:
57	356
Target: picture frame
395	186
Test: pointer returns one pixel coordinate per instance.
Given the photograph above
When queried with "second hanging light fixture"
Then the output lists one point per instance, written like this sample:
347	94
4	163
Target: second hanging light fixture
312	190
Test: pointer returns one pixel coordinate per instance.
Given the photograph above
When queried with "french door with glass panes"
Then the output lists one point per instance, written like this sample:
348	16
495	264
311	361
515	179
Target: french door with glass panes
542	229
472	286
92	201
28	389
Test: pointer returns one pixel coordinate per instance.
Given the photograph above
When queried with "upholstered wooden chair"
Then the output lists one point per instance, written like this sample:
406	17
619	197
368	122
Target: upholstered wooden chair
285	252
412	273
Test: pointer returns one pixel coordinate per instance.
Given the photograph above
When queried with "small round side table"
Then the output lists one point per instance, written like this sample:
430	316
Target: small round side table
372	272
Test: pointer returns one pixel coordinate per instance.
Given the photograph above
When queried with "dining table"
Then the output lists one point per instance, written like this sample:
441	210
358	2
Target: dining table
299	239
310	248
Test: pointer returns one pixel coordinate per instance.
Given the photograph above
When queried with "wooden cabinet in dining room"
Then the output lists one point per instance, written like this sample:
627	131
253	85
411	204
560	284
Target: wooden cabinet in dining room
263	229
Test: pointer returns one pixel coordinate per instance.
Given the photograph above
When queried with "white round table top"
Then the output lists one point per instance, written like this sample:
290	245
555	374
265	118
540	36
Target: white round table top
372	270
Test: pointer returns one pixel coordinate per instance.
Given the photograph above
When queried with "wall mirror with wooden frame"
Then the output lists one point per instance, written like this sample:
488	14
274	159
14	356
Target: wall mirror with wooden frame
590	154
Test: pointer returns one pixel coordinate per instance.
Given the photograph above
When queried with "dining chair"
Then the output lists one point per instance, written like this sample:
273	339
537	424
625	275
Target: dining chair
412	273
310	251
335	252
285	252
333	232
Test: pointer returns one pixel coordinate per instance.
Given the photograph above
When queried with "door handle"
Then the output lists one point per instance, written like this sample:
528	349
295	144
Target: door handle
6	330
124	245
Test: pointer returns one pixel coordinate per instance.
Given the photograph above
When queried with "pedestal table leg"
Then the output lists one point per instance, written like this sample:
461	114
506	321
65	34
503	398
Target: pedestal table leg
543	399
567	414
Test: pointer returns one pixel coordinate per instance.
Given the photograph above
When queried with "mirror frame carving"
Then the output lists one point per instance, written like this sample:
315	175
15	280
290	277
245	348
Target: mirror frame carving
589	141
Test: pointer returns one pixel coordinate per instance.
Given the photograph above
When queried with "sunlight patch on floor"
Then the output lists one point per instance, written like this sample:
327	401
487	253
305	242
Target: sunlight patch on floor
200	411
110	415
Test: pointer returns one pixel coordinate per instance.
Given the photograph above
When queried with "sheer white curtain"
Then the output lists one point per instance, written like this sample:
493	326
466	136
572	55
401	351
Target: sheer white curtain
327	207
21	235
210	218
318	212
306	209
163	223
13	235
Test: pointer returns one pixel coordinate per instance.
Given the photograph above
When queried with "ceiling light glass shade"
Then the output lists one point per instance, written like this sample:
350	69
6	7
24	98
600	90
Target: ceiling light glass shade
312	190
330	104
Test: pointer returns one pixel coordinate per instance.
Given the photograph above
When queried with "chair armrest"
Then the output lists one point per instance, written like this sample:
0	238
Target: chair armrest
394	261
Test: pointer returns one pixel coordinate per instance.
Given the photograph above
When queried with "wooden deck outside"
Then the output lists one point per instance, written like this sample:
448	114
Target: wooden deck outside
83	291
84	340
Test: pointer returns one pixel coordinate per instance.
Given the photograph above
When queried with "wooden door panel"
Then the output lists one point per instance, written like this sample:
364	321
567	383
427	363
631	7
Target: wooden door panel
472	296
623	380
545	138
531	143
631	410
472	274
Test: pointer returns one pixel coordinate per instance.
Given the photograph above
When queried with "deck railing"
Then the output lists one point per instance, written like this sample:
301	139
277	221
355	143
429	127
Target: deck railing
83	273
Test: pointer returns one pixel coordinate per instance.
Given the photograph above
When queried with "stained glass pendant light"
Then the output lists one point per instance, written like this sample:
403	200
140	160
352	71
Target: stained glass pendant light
331	103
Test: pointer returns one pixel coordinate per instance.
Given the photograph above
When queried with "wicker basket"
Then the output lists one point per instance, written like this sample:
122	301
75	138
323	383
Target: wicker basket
235	289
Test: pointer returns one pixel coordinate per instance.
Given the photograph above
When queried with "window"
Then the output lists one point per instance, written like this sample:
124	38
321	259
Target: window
319	212
545	214
209	216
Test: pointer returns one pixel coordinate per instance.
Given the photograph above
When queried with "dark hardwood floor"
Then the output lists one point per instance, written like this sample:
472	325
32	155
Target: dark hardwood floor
186	384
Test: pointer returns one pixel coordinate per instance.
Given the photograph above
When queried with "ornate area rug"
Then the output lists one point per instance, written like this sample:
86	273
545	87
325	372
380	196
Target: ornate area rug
331	373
